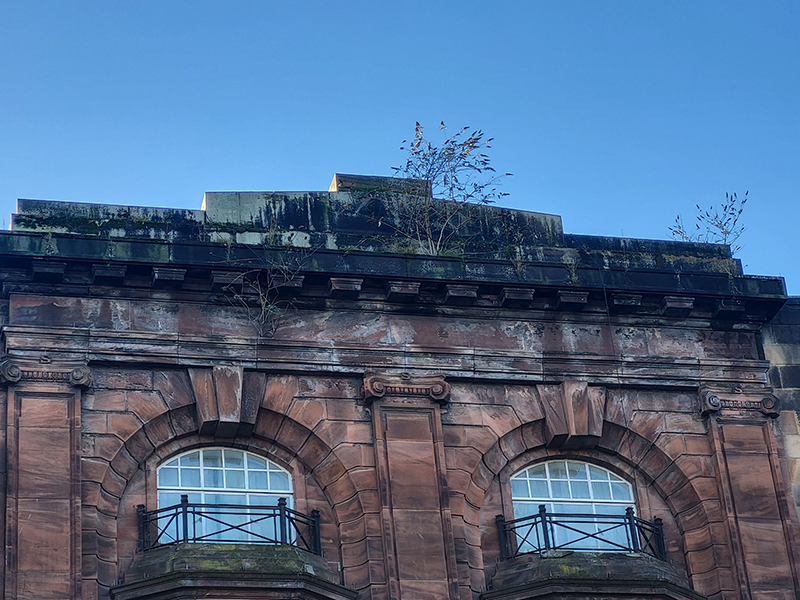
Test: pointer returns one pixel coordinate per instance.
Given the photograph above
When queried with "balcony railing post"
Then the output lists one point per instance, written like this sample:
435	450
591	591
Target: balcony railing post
633	529
185	516
316	541
545	531
140	517
501	534
282	520
658	528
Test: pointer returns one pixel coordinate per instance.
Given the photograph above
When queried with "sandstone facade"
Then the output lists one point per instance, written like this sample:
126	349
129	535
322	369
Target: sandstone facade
400	391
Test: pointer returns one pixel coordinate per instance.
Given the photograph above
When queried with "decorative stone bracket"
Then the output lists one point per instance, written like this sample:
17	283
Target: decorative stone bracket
77	374
722	404
433	387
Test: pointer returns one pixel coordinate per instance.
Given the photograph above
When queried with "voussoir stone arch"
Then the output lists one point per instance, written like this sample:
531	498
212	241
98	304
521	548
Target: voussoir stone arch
275	435
624	451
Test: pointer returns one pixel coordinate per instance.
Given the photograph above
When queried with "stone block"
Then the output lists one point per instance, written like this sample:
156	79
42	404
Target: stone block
44	474
346	288
205	396
146	405
121	379
228	382
329	470
175	388
280	391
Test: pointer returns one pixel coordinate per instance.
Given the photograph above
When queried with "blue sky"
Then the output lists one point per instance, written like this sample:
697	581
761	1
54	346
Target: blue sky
615	115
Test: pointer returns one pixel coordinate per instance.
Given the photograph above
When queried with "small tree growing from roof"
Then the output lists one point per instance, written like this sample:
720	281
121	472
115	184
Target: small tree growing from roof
460	175
717	225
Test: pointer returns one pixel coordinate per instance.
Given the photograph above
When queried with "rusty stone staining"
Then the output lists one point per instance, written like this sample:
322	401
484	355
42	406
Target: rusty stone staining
433	387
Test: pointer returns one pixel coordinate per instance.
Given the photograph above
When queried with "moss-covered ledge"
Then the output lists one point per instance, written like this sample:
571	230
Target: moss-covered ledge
596	575
251	571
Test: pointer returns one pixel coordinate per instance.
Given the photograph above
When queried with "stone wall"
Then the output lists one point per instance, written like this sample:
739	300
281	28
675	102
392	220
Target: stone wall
402	392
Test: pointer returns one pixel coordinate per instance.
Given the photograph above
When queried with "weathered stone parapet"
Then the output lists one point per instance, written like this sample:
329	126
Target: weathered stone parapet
251	572
579	575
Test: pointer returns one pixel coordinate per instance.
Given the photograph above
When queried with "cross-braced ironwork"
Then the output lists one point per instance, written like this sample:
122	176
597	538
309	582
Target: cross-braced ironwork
580	532
228	523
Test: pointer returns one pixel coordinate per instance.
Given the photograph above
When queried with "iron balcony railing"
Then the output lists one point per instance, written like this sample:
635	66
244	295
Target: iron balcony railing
580	532
228	523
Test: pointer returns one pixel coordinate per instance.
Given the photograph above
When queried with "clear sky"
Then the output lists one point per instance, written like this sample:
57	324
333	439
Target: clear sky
615	115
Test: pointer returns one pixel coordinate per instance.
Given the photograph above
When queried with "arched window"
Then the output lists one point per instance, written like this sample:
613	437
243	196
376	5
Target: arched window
217	481
567	487
223	476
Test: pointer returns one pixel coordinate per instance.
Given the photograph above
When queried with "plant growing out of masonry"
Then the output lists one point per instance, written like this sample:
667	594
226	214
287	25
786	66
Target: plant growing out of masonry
259	291
459	175
717	225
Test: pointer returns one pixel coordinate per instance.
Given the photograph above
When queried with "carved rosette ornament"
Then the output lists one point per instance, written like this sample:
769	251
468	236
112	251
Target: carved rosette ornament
78	375
712	402
433	387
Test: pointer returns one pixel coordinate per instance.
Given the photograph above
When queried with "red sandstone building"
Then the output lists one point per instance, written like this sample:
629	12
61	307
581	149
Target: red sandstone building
278	396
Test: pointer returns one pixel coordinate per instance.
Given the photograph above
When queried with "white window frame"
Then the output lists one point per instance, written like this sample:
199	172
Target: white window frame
572	487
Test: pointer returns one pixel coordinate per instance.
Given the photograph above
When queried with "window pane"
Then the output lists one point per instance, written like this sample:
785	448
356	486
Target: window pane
601	490
598	474
519	488
537	472
258	480
190	478
172	463
212	458
191	460
267	501
539	488
213	478
238	499
558	470
621	491
525	509
610	509
576	470
560	489
234	459
166	499
279	481
256	462
168	477
580	489
234	479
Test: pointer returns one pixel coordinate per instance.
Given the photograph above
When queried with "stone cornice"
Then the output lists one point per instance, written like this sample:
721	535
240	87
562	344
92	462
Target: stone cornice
353	359
710	291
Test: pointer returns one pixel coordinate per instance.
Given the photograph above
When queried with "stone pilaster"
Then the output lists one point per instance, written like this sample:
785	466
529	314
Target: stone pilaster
416	523
43	497
756	502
